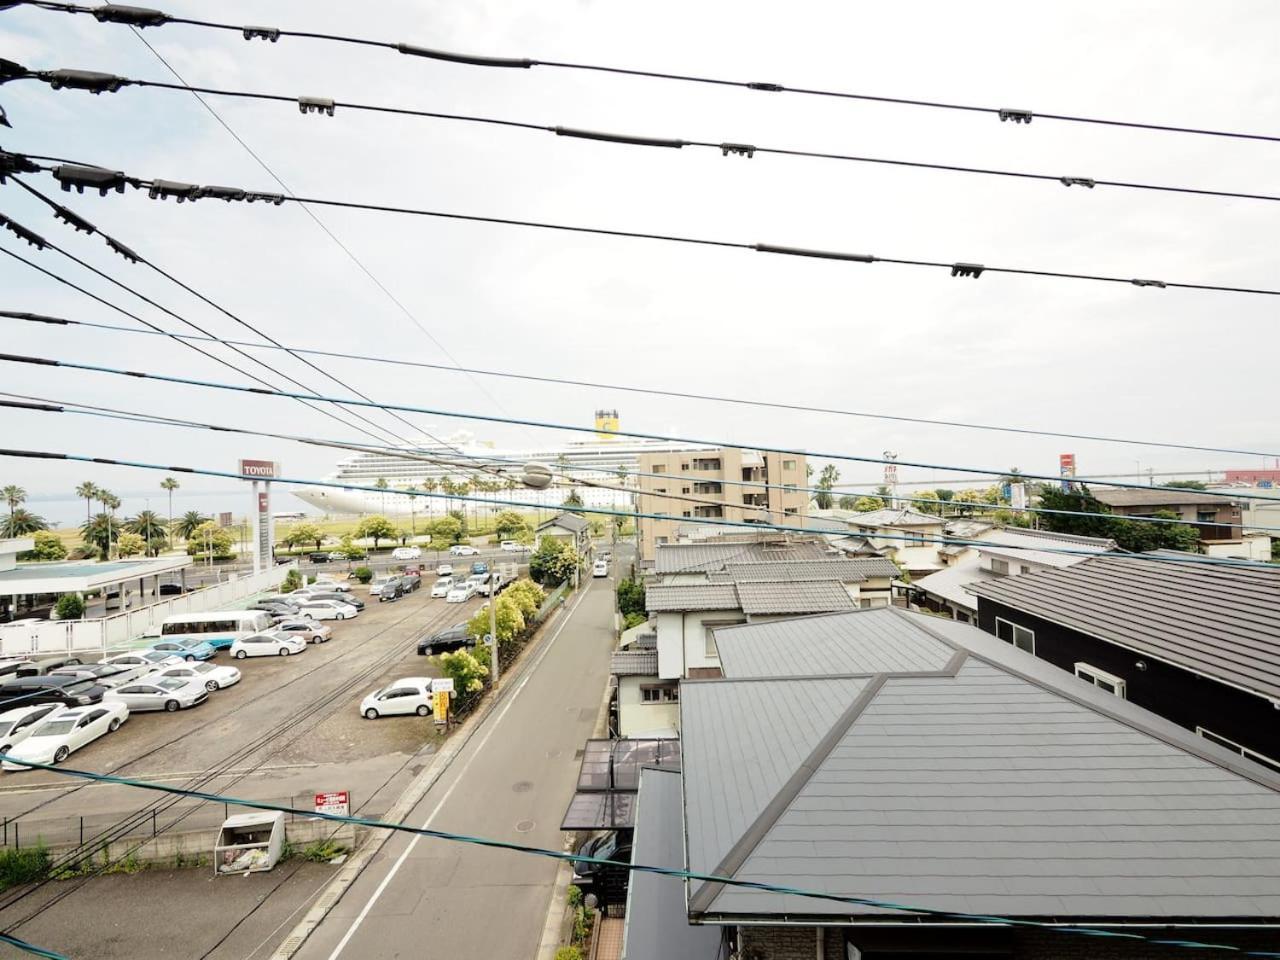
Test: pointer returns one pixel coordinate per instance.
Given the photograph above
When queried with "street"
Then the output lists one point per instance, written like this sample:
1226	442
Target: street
512	781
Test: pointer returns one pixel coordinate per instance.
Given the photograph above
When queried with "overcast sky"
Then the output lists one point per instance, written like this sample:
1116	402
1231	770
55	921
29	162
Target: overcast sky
1170	365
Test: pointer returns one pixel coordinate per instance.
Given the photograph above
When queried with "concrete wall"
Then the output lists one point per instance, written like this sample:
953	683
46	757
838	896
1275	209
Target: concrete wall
635	716
682	641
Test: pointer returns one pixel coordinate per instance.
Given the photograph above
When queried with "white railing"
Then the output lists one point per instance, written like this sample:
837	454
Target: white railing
100	634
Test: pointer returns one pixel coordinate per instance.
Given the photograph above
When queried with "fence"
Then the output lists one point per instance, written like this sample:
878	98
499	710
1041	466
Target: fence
66	636
553	600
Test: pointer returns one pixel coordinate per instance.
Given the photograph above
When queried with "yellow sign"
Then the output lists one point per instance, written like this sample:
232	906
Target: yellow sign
440	701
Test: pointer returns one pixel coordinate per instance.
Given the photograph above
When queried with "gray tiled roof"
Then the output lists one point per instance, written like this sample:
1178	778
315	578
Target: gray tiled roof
1217	620
875	567
894	517
832	568
677	597
1157	497
954	584
705	557
1042	547
634	663
570	521
657	927
1004	786
861	641
804	596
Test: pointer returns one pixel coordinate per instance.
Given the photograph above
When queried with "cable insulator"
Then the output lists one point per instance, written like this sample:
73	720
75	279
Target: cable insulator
133	16
91	80
73	220
1017	116
223	193
11	163
520	63
967	270
94	178
12	70
820	254
1149	283
262	33
618	138
33	317
162	189
741	149
315	105
767	87
1078	182
22	233
121	249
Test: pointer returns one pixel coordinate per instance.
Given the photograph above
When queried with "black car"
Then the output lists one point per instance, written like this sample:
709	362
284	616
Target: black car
322	557
615	845
391	591
341	597
409	583
446	641
29	691
170	589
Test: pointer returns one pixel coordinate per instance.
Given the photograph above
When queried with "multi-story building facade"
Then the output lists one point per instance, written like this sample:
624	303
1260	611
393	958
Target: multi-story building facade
743	486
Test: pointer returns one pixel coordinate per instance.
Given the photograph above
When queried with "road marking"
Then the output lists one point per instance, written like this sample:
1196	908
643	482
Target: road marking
479	749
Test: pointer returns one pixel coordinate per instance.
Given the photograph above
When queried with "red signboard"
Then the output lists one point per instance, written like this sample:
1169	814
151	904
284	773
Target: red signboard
337	802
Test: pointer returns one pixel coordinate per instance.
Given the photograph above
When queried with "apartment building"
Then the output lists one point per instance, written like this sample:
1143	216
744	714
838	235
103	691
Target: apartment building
712	483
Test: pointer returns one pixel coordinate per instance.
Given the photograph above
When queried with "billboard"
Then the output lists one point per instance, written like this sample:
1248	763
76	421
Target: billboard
259	469
1066	469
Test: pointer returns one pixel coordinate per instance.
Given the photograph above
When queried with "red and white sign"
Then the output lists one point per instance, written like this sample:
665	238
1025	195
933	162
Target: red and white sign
338	803
259	469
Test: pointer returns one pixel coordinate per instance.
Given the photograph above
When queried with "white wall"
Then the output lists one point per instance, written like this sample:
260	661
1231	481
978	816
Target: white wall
682	641
636	716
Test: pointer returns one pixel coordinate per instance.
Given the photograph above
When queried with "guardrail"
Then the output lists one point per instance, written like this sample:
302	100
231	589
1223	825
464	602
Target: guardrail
101	633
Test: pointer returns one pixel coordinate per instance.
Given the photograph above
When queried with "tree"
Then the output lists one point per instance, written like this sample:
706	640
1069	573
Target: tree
867	504
1186	484
376	527
48	546
966	500
188	523
847	502
88	492
553	562
21	522
934	505
527	596
946	496
207	535
826	480
509	525
13	495
130	545
1133	535
308	533
168	485
508	620
446	530
100	532
292	581
148	525
631	598
70	606
573	498
403	535
467	672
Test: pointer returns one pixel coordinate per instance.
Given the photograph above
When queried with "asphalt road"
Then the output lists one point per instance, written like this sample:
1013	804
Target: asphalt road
513	780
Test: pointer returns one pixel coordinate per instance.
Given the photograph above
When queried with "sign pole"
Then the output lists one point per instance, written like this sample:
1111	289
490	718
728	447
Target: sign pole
257	519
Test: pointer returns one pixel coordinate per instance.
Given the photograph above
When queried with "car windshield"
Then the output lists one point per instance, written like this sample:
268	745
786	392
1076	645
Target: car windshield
203	667
55	728
82	686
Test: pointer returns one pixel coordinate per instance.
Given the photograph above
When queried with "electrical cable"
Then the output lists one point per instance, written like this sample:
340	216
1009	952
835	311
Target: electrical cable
653	391
323	105
324	227
138	17
493	502
46	405
672	872
105	180
821	455
80	224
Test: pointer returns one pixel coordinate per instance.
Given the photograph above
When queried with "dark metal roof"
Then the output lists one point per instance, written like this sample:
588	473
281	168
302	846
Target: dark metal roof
569	521
1217	620
1001	785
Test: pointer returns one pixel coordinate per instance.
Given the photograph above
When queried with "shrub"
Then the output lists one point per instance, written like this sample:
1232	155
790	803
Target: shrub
568	953
467	672
631	597
527	596
69	607
633	620
363	574
48	546
23	866
553	562
292	581
507	618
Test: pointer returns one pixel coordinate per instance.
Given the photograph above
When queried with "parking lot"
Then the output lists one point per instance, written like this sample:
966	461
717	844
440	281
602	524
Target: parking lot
289	728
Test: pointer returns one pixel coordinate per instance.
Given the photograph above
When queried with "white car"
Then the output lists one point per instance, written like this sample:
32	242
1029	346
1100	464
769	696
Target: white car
375	587
442	587
327	610
511	546
64	733
404	696
463	550
213	677
332	583
406	553
17	724
267	645
600	568
461	592
147	659
444	570
159	693
309	630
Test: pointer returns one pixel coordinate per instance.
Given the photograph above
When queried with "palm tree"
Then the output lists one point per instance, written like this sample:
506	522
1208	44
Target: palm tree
89	493
168	484
430	485
21	522
148	525
188	523
99	532
382	485
13	496
413	508
110	503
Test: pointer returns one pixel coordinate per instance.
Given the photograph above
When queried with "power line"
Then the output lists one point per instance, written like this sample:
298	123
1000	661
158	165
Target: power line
148	375
154	18
350	254
103	83
632	867
653	391
756	526
46	405
104	180
80	224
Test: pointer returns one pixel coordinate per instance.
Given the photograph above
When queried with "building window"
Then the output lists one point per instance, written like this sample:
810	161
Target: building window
1020	637
659	468
1023	568
686	513
792	510
1101	679
684	489
1000	567
684	465
1206	516
707	463
1237	748
788	464
660	693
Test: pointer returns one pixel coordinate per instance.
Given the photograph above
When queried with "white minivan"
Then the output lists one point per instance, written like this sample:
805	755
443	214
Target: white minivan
404	696
406	553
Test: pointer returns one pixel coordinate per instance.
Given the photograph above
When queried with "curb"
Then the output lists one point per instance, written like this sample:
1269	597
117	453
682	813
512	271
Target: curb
409	799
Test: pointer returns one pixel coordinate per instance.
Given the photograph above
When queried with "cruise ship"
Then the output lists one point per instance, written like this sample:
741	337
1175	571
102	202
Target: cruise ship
603	459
